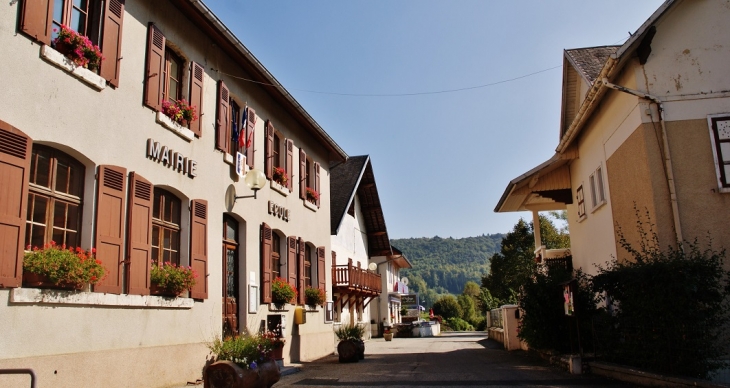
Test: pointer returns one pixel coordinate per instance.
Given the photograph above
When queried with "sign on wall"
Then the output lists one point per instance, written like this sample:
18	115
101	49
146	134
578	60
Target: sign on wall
409	300
240	164
171	158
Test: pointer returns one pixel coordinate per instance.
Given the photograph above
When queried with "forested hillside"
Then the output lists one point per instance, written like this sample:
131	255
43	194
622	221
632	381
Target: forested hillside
444	265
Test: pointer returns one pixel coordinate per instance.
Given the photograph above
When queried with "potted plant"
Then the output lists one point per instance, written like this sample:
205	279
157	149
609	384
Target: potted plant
78	48
351	347
170	279
61	268
243	361
313	297
280	176
179	111
312	195
282	293
387	334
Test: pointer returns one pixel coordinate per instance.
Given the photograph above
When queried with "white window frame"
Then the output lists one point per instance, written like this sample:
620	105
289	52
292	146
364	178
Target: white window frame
580	202
712	121
598	188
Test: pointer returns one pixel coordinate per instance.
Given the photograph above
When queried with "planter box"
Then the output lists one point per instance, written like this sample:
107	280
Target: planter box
309	205
226	374
174	127
59	60
279	188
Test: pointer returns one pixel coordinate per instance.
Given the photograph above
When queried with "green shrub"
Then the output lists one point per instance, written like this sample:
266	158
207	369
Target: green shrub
447	306
667	311
458	324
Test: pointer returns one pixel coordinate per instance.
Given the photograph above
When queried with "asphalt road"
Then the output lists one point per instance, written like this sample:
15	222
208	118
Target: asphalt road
450	360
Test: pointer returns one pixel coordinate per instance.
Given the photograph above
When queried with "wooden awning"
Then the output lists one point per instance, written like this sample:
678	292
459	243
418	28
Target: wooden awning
545	187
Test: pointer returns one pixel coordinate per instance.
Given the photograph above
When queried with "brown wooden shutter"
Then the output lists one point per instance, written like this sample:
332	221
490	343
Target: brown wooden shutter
15	155
320	269
154	70
300	272
290	163
317	187
35	19
291	260
302	174
139	234
269	150
266	250
196	96
199	247
111	185
111	41
223	137
250	128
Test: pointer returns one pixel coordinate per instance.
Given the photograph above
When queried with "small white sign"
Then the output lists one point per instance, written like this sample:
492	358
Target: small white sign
240	164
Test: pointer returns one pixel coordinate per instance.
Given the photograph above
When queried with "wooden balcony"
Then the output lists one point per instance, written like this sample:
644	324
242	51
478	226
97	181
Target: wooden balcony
353	280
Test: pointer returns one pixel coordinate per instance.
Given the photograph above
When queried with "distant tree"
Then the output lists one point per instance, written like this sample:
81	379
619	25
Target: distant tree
471	289
468	307
448	307
513	265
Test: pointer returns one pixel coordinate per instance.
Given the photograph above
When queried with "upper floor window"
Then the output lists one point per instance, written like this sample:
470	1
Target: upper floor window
168	73
720	137
309	179
581	203
598	195
55	198
75	14
172	76
278	153
165	228
100	21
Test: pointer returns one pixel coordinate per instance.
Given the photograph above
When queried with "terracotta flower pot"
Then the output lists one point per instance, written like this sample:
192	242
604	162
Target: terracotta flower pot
35	280
388	336
161	291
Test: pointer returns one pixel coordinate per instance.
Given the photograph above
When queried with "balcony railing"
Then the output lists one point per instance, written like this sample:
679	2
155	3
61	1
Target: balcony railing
354	279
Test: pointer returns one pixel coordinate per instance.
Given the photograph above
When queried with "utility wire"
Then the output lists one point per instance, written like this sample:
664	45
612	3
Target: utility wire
393	94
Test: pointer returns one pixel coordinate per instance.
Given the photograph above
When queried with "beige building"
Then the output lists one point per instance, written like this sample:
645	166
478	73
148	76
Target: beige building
88	159
644	125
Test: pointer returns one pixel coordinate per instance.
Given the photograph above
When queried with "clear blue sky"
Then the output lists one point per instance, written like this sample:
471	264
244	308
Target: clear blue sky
441	160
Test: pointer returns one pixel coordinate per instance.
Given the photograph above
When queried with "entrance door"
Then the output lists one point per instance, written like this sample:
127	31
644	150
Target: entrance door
230	276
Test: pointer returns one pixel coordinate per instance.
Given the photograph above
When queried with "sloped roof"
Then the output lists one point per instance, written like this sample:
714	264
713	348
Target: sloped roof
355	177
590	60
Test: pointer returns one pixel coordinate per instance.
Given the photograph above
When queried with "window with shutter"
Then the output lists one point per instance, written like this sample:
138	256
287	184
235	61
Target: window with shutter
317	187
301	270
581	203
250	128
302	174
199	247
55	198
196	96
109	237
154	78
165	244
235	126
139	234
289	162
100	21
322	281
224	119
15	156
269	150
266	252
291	260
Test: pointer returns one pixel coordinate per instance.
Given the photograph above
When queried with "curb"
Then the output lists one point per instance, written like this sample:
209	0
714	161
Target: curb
638	377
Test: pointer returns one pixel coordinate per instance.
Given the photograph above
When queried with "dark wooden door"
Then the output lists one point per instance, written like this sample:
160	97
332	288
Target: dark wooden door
230	289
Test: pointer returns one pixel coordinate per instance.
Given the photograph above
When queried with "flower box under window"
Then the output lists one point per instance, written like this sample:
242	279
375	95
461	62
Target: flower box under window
59	60
174	127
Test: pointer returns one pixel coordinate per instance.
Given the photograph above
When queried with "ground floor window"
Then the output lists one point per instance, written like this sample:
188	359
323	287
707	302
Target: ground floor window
165	228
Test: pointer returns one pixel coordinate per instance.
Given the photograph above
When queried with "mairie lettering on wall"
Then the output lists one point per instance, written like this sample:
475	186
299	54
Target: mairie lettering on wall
279	211
171	158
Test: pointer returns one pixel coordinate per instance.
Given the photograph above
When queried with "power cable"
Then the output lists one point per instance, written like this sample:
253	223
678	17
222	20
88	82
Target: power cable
392	94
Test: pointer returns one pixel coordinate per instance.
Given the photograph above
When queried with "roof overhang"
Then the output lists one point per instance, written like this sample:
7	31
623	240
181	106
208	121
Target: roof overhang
545	187
612	67
203	18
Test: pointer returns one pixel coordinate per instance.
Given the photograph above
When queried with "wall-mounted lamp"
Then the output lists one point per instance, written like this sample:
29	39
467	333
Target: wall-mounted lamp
255	180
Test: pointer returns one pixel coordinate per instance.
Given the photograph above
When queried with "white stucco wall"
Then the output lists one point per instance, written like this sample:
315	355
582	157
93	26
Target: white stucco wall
112	126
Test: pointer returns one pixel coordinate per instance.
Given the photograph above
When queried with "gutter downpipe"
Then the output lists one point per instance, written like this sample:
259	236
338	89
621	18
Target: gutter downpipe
667	156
